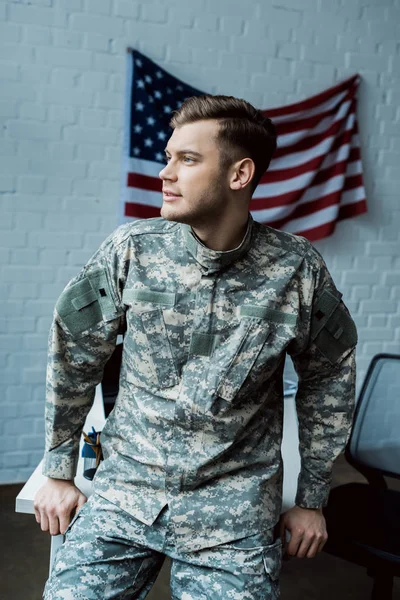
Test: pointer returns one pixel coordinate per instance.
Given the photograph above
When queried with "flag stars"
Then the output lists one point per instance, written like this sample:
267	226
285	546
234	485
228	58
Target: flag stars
139	62
159	156
140	83
159	74
139	106
157	94
148	142
136	151
137	128
150	121
167	109
148	79
169	91
161	135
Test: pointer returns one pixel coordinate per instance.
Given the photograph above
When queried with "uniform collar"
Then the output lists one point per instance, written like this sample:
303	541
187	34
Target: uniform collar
214	260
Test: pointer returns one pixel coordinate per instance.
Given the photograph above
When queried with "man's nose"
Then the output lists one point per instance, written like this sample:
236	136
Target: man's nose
167	172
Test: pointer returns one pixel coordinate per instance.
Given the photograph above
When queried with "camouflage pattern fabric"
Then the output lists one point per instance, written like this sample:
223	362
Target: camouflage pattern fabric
197	423
110	555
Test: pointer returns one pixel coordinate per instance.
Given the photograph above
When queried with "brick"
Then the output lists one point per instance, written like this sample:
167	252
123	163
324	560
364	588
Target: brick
25	256
362	277
14	239
197	39
9	71
110	26
18	273
10	342
32	15
90	117
18	426
86	187
38	36
64	57
127	8
55	167
88	152
34	342
57	240
67	38
383	249
94	134
154	12
95	81
30	110
30	376
63	152
33	441
35	131
12	309
101	7
65	114
52	257
21	54
392	278
232	25
253	45
7	184
29	183
65	77
378	306
94	41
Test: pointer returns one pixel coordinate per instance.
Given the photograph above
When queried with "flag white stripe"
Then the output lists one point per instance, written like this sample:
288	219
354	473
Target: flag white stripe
305	113
287	139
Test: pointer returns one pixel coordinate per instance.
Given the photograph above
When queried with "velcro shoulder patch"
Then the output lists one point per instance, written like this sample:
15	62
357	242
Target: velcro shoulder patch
332	328
86	303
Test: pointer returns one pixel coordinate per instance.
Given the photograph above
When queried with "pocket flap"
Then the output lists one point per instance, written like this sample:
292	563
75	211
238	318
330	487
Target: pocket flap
143	295
84	299
272	557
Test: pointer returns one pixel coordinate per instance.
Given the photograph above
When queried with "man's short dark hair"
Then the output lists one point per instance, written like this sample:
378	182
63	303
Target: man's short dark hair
243	130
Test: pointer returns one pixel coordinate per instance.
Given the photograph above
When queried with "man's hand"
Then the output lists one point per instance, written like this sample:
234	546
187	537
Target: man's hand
55	504
307	528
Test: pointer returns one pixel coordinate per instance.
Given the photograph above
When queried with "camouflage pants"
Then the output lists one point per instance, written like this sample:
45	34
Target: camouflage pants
109	554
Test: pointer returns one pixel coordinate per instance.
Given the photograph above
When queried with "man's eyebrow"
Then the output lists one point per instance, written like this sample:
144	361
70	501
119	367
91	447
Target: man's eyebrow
185	151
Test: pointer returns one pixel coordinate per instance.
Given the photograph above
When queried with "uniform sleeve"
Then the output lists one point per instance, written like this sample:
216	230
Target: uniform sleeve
326	391
87	319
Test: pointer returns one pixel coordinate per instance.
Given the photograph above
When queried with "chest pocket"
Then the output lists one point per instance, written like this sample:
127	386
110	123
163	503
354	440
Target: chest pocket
148	355
261	338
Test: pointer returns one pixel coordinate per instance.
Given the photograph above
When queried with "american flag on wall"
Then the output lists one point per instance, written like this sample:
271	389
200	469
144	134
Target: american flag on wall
314	180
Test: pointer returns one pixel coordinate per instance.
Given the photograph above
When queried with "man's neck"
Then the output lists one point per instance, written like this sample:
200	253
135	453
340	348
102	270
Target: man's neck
222	239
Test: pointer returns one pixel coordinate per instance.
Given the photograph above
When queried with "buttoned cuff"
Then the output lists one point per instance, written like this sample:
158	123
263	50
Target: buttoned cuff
311	492
59	465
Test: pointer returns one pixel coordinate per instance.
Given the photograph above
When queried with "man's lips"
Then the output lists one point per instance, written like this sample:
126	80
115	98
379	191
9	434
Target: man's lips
169	195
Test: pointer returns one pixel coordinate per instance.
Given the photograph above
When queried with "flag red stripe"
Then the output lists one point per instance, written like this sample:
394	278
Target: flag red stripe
309	122
310	141
352	210
313	101
141	211
289	172
144	182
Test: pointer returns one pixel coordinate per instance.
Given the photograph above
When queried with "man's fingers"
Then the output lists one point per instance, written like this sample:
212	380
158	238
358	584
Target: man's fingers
304	548
294	543
313	549
44	522
54	525
82	500
65	520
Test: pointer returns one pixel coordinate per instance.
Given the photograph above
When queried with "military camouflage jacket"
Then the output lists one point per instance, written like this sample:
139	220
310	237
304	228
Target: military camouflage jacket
197	423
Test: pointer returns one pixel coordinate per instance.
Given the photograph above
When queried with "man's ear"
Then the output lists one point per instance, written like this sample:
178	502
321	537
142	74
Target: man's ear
242	172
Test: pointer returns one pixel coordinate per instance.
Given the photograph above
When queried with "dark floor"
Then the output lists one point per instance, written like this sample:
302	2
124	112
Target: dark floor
25	560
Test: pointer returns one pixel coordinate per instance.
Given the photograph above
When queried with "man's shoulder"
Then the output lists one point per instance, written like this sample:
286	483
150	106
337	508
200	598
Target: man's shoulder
137	228
285	242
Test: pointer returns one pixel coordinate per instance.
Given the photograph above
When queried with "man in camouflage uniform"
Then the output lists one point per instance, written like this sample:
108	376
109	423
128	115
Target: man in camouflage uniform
209	302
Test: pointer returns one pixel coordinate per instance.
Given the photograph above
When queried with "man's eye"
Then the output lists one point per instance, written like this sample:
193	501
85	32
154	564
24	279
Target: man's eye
188	159
167	159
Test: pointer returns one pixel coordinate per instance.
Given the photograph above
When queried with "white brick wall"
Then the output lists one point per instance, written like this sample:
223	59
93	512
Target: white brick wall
62	66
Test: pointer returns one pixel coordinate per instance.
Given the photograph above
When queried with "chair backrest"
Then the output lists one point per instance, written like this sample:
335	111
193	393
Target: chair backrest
375	437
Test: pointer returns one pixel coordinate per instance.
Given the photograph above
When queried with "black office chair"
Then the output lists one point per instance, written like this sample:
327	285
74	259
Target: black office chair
363	519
